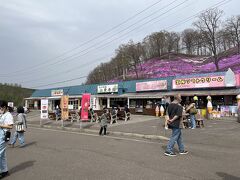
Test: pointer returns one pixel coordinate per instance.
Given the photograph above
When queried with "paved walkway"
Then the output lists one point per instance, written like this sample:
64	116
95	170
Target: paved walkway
140	126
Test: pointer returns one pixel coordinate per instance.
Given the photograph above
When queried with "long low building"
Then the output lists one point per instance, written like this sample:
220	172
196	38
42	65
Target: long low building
142	96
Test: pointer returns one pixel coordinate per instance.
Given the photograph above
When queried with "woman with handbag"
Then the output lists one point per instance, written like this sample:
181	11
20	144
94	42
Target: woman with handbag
6	123
20	126
192	111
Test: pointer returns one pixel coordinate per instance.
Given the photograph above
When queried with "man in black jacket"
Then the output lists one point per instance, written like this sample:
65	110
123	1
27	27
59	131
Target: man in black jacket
175	111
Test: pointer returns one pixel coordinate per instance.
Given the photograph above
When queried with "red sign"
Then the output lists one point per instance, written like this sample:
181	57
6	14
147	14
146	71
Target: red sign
85	105
151	85
198	82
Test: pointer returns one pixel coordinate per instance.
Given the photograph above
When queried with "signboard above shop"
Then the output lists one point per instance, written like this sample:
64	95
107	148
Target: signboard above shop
199	82
57	92
151	85
113	88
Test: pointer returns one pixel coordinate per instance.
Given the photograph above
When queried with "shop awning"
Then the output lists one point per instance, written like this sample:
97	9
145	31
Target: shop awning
108	96
207	92
154	95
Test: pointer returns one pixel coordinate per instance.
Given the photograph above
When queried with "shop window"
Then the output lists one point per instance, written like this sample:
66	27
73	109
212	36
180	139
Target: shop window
74	103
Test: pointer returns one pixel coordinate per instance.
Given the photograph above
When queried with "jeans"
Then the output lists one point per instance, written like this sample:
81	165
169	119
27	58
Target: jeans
3	157
176	137
193	121
101	129
20	136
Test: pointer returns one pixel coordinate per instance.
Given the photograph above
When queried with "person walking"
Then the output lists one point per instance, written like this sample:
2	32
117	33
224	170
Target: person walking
6	123
175	111
20	126
103	123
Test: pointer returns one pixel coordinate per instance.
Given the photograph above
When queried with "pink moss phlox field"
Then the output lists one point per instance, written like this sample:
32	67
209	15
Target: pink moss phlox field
158	68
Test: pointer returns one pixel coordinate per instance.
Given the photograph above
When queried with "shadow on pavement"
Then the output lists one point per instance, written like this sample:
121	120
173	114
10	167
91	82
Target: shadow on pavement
30	144
226	176
22	166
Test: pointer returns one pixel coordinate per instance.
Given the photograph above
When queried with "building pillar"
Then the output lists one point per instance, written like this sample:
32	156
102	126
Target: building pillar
238	101
98	106
26	103
35	104
108	102
128	102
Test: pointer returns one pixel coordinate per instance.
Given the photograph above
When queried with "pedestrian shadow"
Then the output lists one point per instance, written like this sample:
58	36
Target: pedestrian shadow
30	144
226	176
22	166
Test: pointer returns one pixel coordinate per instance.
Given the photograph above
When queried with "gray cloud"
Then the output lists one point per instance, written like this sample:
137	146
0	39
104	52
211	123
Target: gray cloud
33	32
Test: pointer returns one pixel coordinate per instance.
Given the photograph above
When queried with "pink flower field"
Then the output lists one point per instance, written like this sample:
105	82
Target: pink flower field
158	68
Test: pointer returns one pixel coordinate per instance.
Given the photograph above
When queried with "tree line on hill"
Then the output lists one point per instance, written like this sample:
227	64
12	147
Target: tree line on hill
14	93
209	36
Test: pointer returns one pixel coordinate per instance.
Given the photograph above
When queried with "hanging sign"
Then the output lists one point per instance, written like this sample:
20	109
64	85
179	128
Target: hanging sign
113	88
198	82
85	105
151	85
57	92
44	108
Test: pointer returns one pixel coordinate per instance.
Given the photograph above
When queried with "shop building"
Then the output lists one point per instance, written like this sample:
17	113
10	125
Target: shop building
142	96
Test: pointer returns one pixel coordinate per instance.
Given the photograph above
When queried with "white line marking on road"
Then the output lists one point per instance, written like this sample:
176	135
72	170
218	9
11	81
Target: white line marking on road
94	135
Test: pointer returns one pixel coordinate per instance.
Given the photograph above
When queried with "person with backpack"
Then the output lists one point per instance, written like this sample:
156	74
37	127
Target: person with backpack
20	128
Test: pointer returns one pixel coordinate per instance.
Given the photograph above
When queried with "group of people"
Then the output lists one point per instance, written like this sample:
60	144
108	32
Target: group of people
6	124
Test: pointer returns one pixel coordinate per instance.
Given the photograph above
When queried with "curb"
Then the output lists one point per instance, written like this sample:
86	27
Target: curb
145	136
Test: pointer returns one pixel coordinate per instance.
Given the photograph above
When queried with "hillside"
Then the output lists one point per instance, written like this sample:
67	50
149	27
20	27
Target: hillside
180	64
14	94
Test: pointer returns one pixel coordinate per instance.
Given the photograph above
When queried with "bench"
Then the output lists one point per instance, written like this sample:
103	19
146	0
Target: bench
74	116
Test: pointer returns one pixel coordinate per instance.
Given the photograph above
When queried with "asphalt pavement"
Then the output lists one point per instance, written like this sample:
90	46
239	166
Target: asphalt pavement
54	153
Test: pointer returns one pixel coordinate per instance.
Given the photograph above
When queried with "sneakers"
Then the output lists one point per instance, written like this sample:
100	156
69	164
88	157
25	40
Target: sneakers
4	174
170	154
183	152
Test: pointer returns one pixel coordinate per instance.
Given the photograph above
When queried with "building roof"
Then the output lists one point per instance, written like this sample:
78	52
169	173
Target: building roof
124	87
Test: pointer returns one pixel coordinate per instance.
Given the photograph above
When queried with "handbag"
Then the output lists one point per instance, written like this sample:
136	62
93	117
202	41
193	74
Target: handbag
7	135
193	111
20	128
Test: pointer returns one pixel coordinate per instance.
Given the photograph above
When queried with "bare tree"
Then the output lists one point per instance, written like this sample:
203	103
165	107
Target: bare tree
233	27
172	42
189	40
156	43
208	24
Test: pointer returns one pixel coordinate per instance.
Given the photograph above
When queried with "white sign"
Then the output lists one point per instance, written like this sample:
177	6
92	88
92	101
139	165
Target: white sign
70	106
10	104
113	88
44	108
57	92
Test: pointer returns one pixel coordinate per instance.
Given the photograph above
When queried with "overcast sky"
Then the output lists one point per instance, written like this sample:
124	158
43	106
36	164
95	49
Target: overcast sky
47	41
